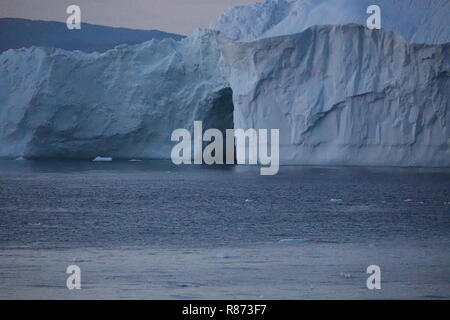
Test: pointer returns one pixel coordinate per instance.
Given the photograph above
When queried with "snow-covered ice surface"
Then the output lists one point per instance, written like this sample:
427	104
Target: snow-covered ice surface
339	94
424	21
104	159
345	95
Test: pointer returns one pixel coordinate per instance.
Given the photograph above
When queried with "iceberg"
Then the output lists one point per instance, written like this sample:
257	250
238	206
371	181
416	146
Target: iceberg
339	93
344	95
124	103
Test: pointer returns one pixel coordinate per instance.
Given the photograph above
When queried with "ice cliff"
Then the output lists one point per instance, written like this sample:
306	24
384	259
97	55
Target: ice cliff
345	95
340	94
124	103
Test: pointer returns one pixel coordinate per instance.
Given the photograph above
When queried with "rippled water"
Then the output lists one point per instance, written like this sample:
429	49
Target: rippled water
153	230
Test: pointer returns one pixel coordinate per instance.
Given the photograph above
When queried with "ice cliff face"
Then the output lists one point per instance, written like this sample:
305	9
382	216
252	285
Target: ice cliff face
123	103
345	95
421	21
339	94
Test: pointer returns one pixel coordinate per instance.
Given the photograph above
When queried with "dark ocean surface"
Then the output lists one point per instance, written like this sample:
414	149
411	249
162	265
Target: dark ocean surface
152	230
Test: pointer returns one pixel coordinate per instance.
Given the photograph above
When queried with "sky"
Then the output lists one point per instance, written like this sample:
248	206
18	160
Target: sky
177	16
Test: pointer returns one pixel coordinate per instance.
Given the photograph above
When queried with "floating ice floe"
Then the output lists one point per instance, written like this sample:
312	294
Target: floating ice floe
335	200
105	159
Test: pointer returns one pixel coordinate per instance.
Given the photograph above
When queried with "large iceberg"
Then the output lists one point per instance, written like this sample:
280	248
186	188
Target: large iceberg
345	95
340	94
123	103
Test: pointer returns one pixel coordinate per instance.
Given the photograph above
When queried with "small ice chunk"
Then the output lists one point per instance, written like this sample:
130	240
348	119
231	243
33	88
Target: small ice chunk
408	200
345	275
248	200
292	240
102	159
335	200
135	160
20	159
222	256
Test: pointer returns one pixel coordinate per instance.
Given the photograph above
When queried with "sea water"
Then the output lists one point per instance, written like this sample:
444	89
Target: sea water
153	230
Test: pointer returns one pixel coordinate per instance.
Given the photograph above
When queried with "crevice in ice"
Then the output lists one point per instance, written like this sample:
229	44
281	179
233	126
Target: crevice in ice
221	114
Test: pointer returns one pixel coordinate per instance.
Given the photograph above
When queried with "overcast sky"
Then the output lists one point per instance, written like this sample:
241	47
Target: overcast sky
178	16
